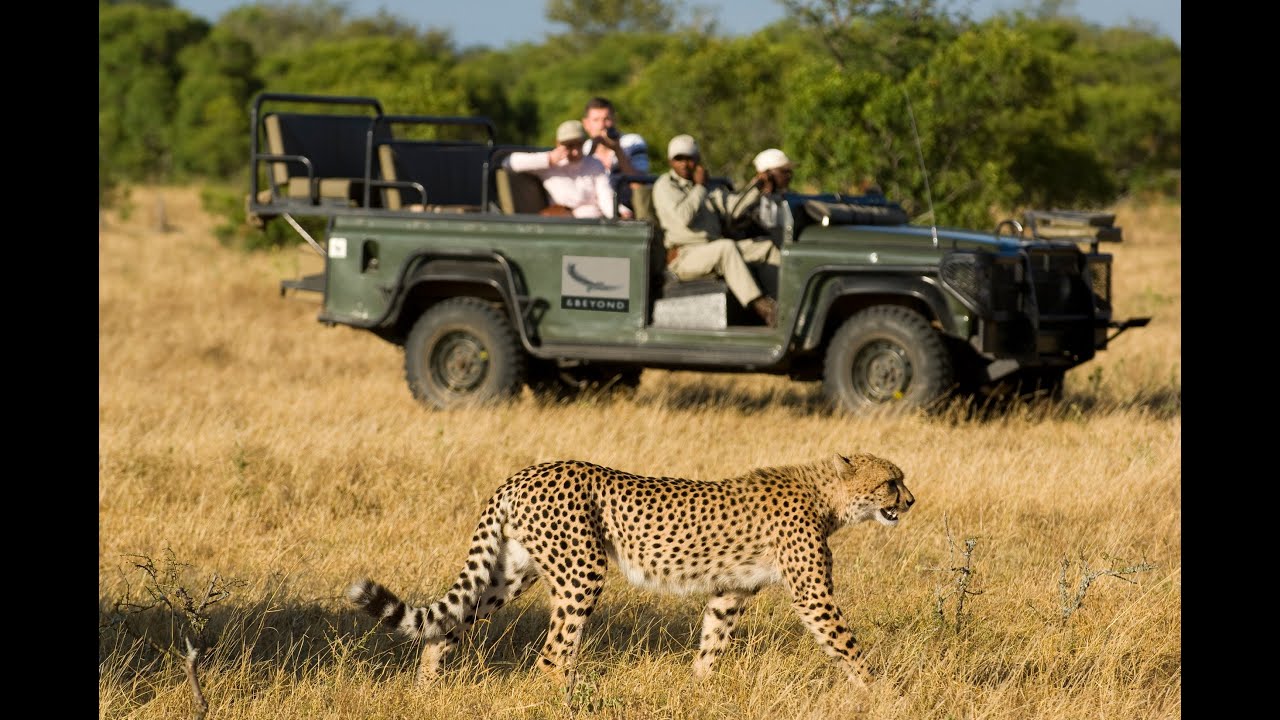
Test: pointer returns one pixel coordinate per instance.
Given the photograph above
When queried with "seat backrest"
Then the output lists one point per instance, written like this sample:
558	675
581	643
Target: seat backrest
393	181
275	146
335	144
642	202
519	192
449	173
387	169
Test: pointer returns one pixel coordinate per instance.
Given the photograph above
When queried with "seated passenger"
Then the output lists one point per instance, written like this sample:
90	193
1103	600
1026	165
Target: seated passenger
623	154
690	217
577	184
773	176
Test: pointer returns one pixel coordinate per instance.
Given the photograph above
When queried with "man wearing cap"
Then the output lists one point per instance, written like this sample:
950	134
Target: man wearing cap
690	216
622	154
773	176
575	181
756	215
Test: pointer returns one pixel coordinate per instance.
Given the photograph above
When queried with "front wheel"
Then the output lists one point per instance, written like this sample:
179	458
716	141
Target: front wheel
463	351
887	359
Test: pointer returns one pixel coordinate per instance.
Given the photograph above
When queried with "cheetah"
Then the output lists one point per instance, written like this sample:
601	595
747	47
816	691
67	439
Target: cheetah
562	521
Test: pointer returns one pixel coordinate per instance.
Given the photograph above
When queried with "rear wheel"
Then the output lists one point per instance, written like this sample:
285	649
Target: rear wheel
463	351
887	358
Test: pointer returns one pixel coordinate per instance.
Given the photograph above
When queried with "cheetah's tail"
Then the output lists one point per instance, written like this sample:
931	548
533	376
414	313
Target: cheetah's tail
459	606
383	604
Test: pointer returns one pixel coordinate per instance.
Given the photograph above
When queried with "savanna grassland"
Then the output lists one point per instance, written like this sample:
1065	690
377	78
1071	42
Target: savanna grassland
246	447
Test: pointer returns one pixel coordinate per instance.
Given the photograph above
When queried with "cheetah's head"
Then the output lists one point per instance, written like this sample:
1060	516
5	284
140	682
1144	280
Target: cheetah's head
873	489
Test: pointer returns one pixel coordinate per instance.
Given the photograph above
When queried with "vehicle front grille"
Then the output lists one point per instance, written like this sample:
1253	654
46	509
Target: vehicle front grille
988	284
1060	285
970	277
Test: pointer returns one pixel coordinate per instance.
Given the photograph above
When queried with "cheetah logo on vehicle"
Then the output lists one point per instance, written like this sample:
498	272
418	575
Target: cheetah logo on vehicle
591	284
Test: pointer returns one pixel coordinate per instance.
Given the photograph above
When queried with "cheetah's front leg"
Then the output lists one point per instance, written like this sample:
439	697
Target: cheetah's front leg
718	621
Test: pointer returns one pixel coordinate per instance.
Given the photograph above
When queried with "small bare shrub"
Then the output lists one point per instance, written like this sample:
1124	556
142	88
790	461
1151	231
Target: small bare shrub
1068	603
959	587
162	591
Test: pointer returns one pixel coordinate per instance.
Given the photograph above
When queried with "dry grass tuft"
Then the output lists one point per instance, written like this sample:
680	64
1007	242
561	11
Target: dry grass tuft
258	445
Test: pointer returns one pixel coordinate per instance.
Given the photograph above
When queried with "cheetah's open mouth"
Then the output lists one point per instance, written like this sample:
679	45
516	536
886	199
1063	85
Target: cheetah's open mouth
889	516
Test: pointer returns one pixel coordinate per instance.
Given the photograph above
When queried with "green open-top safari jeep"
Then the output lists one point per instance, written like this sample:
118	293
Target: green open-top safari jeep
430	244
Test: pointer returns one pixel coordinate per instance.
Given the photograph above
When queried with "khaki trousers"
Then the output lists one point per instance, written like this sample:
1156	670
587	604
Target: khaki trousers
727	259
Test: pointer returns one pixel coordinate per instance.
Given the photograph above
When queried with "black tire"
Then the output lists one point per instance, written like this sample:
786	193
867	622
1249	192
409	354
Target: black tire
463	351
548	381
887	359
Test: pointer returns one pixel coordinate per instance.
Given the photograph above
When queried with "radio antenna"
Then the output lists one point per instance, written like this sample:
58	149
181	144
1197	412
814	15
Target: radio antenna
933	218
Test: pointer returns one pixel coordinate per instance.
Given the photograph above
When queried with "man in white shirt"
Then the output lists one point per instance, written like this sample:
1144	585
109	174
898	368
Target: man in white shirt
573	180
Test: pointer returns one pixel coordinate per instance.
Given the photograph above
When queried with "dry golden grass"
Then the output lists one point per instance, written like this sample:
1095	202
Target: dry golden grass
255	443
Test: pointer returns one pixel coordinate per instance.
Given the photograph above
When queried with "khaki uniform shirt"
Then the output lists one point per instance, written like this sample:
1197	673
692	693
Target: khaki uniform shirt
690	213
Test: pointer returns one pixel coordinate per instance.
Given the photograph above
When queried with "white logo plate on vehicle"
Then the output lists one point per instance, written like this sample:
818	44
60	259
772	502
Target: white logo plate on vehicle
595	283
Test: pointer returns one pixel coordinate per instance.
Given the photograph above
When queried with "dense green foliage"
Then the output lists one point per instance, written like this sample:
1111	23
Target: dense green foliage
1028	108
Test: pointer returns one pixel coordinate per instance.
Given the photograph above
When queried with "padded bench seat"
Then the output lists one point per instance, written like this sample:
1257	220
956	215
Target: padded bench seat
316	159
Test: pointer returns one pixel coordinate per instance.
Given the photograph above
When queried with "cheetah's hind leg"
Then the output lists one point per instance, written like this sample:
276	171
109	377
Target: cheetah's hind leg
718	622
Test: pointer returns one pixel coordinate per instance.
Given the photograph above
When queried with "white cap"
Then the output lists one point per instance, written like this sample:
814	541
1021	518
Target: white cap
682	145
570	131
771	159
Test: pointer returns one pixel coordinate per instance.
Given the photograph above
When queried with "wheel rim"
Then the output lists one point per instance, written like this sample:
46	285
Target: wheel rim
459	362
882	372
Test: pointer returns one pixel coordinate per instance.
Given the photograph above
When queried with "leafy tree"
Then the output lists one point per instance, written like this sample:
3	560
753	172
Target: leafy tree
998	129
1130	85
1138	133
994	128
602	17
891	37
836	139
1030	107
1130	88
274	28
730	94
138	74
402	73
494	91
548	83
153	4
213	97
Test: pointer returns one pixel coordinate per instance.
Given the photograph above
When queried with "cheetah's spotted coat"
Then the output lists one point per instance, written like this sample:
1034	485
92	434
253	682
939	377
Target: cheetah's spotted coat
562	520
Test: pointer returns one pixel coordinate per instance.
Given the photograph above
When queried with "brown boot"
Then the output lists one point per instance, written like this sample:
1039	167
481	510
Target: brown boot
767	308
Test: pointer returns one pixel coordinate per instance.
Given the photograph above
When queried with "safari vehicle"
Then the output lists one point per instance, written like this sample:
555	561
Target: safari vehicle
431	245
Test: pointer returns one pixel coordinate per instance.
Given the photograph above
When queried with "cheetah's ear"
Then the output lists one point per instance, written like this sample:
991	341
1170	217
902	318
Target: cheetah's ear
858	461
840	464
